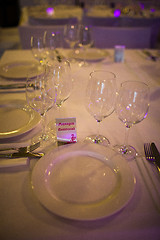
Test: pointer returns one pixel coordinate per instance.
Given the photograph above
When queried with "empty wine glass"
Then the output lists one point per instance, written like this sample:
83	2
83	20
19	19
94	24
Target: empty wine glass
85	42
38	98
53	40
60	81
131	107
71	35
100	100
38	48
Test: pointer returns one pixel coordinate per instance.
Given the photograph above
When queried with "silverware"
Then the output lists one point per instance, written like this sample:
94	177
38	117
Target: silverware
152	154
23	149
16	86
150	55
21	155
12	86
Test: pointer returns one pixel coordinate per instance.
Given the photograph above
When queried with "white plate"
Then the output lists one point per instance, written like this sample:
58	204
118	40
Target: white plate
18	69
83	181
16	118
92	54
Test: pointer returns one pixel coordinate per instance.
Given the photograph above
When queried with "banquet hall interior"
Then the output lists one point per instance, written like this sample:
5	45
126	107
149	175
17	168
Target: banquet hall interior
80	119
112	18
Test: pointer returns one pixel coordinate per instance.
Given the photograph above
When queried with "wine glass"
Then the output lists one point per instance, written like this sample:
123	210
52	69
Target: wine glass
100	100
38	48
132	107
38	98
53	40
60	81
85	42
71	35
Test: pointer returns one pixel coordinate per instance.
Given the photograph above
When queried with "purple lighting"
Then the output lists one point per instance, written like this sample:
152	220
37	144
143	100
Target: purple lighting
152	10
50	11
141	6
117	13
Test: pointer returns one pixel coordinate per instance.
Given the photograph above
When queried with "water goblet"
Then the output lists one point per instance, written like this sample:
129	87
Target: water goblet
132	107
38	98
100	100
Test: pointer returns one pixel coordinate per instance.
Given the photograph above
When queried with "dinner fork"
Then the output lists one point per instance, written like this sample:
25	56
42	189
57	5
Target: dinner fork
149	155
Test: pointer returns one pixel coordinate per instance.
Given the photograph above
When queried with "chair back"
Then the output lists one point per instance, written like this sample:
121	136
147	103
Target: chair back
108	37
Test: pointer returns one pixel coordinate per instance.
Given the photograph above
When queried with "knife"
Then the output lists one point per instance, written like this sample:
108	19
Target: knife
21	155
155	154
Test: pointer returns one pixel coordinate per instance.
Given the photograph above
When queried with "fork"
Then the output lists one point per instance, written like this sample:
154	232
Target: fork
149	155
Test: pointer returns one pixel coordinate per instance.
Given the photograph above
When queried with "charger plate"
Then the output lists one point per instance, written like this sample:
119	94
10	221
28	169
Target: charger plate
16	118
83	181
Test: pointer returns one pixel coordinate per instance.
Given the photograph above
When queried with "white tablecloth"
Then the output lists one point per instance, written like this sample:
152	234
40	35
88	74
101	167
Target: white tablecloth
23	217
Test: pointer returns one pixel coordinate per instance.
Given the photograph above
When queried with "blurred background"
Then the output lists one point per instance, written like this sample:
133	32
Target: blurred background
116	14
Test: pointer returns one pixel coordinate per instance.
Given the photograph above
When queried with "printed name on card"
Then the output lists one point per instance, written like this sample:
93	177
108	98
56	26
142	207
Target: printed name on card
66	130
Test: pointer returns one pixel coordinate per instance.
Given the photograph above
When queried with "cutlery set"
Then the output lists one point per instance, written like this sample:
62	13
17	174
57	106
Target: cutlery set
152	154
21	152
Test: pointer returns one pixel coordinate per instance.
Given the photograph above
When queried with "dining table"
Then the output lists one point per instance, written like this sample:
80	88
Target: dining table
23	213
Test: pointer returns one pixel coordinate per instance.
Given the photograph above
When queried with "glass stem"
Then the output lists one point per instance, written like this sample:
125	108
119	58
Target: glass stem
43	118
98	128
126	137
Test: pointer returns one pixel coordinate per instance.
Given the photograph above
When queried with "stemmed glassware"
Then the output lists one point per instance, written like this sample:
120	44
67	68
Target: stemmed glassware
85	42
60	81
38	47
53	40
131	107
100	100
71	35
39	99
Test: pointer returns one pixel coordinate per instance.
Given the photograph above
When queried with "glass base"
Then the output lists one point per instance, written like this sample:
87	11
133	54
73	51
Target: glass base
83	64
45	139
98	140
128	151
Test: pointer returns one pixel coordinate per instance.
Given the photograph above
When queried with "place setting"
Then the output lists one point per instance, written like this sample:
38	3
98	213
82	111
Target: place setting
71	167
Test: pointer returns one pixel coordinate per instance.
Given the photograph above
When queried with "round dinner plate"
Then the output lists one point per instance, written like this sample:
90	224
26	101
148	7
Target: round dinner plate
83	181
16	118
18	69
91	54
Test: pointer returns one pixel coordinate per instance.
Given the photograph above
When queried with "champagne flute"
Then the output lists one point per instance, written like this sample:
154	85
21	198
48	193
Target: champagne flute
38	98
100	100
131	107
85	42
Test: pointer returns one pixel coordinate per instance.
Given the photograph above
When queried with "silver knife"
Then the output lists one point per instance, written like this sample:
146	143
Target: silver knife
155	154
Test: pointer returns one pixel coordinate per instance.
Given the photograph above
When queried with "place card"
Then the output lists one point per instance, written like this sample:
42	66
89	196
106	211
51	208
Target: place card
66	130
